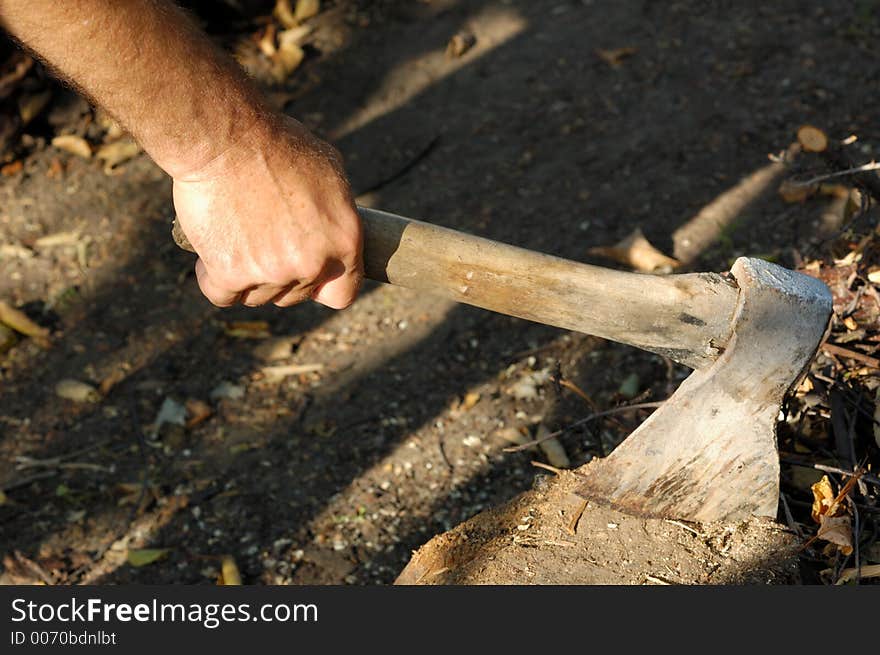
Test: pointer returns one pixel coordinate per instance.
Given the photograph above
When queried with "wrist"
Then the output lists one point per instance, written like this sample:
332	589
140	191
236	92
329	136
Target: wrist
216	144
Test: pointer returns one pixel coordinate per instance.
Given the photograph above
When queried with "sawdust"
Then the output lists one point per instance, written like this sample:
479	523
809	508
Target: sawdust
525	541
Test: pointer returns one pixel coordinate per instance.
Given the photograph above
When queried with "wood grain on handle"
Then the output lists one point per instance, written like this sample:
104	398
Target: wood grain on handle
685	317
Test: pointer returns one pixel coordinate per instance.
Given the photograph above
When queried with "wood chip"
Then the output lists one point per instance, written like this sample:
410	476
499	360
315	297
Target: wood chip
812	139
73	144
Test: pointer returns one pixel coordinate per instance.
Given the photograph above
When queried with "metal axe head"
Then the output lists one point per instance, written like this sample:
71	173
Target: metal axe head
709	453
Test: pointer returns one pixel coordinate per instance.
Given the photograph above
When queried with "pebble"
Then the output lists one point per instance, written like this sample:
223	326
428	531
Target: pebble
77	391
228	390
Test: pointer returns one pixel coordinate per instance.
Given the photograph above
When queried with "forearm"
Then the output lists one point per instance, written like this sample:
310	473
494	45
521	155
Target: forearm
146	63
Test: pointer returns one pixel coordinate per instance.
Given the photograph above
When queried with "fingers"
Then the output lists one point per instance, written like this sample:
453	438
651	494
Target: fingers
215	293
340	292
262	294
293	297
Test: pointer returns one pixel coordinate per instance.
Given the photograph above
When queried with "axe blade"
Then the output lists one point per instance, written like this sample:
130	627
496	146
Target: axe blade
709	453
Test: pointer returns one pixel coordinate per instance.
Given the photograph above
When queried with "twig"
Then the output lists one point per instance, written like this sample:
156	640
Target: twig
789	517
838	158
542	465
870	166
571	386
54	461
26	481
583	421
29	462
442	448
873	362
856	536
685	527
796	461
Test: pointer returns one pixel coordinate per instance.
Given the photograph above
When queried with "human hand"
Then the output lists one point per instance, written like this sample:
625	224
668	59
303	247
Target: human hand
273	220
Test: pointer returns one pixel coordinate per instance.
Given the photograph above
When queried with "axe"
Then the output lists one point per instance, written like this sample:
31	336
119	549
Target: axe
709	452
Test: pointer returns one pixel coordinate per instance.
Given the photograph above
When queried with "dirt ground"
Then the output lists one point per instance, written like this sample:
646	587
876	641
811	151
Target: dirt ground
395	430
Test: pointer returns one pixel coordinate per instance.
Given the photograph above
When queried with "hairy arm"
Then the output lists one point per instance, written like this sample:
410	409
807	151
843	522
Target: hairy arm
265	204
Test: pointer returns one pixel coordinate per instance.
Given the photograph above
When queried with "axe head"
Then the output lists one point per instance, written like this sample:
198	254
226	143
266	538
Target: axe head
709	453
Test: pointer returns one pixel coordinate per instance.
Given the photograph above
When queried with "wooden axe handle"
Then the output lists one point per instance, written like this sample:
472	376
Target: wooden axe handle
685	317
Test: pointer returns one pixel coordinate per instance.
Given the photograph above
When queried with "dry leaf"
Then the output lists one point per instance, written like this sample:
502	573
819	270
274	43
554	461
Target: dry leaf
295	35
115	376
812	139
197	411
278	373
637	252
266	44
823	498
460	44
7	338
73	144
838	531
614	56
305	9
59	239
12	168
284	13
470	399
144	556
18	321
288	58
229	574
247	329
116	153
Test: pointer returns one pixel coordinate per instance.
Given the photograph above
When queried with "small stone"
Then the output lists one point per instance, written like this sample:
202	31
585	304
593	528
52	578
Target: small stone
227	390
77	391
